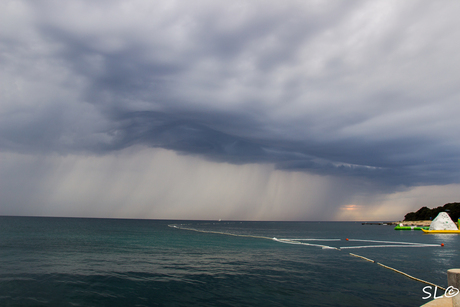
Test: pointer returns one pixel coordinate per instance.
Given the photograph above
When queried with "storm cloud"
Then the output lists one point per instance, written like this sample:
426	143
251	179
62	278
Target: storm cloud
364	90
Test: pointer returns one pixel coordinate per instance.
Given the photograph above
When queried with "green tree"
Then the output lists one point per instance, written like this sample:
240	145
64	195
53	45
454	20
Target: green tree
425	213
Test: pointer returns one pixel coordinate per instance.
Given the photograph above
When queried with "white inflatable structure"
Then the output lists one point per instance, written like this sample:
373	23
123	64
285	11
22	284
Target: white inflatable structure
443	222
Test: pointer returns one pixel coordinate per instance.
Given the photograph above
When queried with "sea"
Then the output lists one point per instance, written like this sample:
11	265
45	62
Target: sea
51	261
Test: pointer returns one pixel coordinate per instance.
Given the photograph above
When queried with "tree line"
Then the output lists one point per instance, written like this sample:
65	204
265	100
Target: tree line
425	213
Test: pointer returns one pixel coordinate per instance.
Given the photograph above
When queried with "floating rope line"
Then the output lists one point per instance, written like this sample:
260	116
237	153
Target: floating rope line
400	272
313	239
289	241
298	242
360	240
220	233
362	257
394	245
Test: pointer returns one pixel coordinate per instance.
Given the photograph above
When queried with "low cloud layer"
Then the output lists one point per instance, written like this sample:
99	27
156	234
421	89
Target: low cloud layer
343	89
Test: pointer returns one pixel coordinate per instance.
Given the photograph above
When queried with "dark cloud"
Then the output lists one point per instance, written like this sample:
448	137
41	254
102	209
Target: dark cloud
342	88
397	162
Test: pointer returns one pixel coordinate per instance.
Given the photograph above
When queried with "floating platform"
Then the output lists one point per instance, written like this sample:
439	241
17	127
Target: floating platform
441	231
411	227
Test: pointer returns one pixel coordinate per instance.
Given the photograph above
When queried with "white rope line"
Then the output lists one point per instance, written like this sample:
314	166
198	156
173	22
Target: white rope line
298	241
377	246
359	240
220	233
302	243
313	239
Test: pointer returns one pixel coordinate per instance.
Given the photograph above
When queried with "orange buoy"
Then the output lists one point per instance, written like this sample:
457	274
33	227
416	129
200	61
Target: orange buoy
346	239
442	244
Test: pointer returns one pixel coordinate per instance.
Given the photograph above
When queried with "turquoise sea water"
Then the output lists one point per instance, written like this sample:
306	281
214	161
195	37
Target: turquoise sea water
116	262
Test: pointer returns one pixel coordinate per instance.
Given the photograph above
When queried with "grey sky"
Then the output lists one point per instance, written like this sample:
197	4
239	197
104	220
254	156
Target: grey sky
364	90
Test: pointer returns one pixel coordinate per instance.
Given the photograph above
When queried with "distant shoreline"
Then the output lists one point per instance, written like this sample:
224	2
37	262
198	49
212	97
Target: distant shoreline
414	223
404	223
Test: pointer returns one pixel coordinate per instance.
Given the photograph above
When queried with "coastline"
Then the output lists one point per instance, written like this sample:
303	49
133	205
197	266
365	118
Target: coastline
413	223
422	223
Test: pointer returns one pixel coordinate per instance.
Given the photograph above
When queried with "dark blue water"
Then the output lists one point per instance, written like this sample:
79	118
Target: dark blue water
111	262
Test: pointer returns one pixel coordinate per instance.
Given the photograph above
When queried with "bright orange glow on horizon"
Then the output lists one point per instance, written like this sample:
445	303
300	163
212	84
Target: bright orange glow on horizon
350	207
